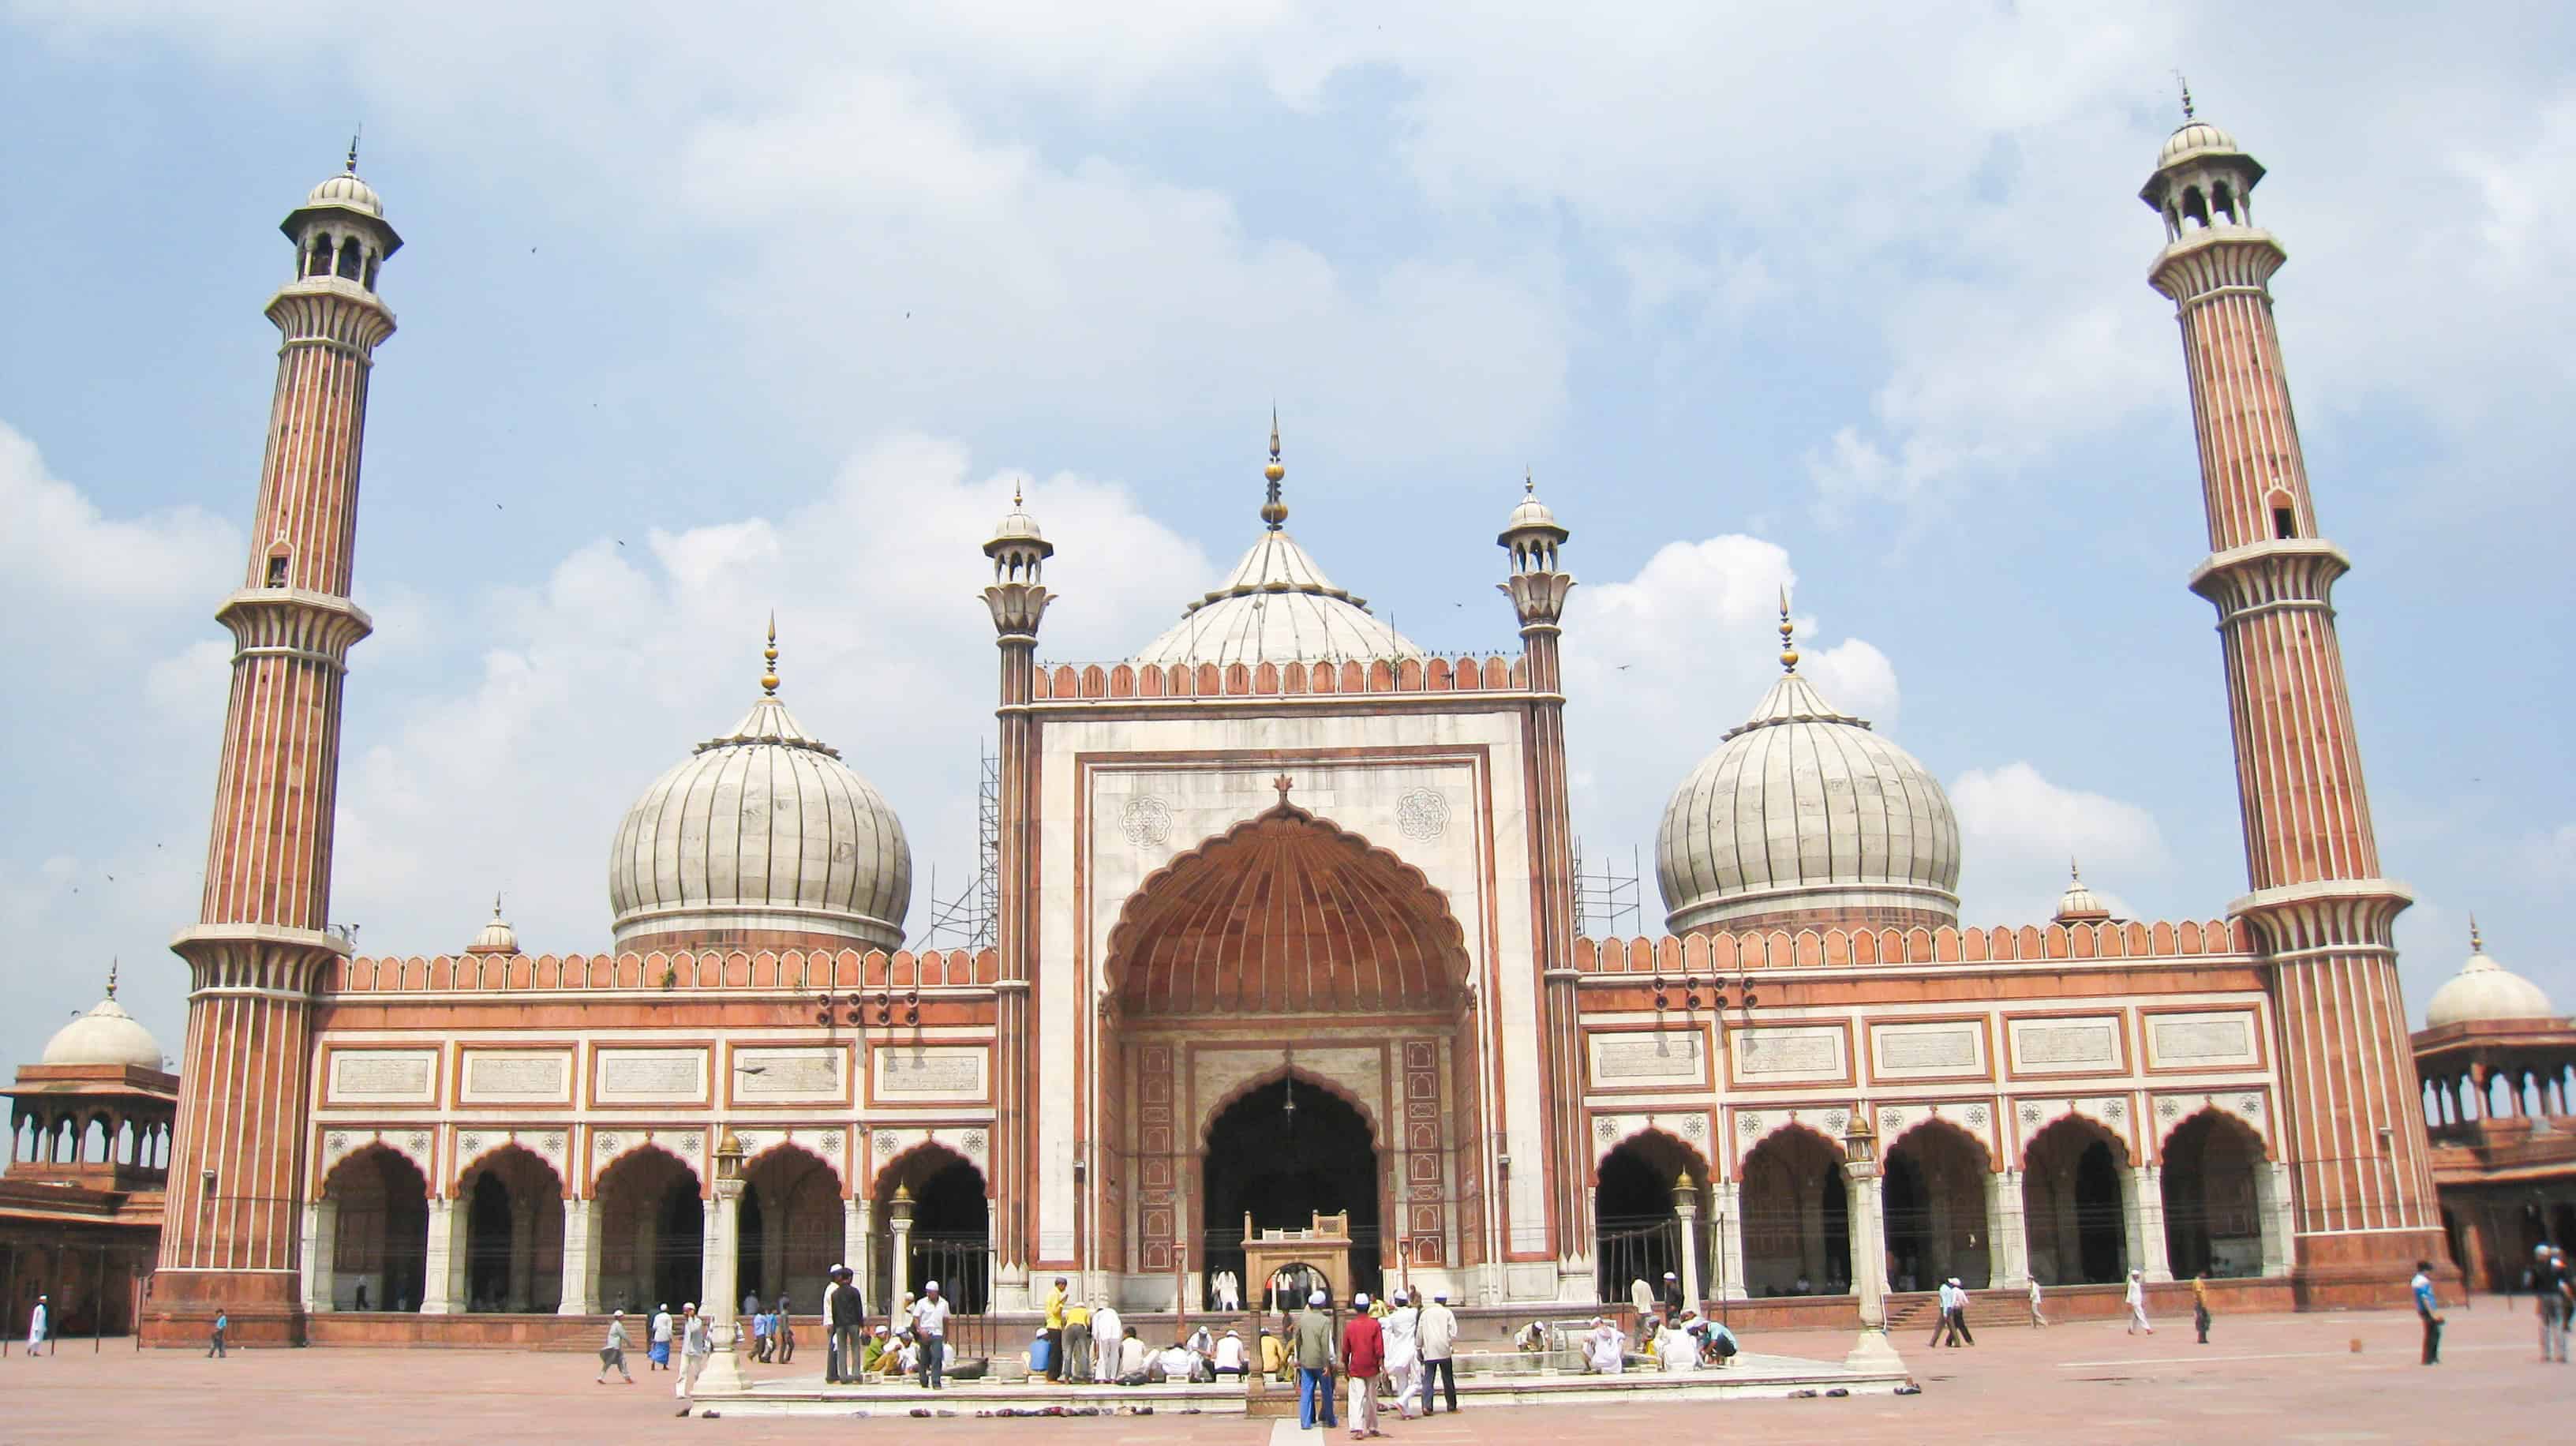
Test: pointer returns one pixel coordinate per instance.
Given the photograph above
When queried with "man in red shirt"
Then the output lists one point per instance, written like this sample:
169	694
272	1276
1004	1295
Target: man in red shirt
1363	1356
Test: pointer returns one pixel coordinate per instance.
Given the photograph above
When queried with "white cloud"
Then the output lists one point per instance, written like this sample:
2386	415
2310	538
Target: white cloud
2018	831
60	551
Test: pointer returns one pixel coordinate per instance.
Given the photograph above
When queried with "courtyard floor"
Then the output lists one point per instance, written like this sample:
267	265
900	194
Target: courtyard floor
2278	1378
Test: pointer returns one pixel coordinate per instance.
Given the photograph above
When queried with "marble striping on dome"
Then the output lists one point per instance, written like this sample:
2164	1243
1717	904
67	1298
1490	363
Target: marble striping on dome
2485	990
1277	606
107	1035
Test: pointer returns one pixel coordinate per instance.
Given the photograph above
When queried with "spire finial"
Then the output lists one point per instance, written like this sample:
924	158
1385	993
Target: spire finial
496	906
353	149
1015	494
2476	944
1788	634
769	655
1529	481
2186	94
1273	511
111	976
2074	873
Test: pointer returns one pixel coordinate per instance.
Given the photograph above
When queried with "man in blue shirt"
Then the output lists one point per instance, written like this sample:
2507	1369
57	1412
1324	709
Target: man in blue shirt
2425	1307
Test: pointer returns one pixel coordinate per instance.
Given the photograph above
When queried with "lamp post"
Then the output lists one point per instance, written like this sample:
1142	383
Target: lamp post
1872	1352
724	1369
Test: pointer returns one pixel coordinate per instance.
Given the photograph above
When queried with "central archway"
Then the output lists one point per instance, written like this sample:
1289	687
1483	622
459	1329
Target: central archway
1284	1166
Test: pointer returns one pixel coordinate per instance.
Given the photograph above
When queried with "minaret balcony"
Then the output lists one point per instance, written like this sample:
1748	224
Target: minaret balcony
2277	574
294	622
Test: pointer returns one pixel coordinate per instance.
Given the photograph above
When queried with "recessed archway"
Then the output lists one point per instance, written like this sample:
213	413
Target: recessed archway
2213	1212
1636	1228
1283	1166
512	1201
2074	1225
952	1226
1796	1207
1935	1202
380	1240
652	1224
792	1227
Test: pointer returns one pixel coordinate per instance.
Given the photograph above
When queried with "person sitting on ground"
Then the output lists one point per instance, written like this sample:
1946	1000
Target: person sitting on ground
1175	1362
1229	1354
1804	1285
1605	1351
1532	1338
1676	1349
1132	1359
1718	1344
872	1351
1274	1354
1201	1343
907	1355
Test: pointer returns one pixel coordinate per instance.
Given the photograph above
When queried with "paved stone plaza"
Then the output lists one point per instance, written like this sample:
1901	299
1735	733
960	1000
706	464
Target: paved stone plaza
2285	1378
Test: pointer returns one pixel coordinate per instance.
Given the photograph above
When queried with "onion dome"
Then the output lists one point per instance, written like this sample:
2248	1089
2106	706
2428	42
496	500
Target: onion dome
497	937
1805	810
1017	525
1277	606
762	830
348	191
107	1035
2191	138
1531	514
2482	990
2078	905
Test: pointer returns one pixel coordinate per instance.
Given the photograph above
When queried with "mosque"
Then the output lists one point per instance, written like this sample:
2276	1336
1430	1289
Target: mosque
1287	923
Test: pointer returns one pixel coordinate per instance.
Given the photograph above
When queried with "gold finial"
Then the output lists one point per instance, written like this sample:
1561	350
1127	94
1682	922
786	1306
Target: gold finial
2476	946
1529	482
353	149
769	655
1788	634
1015	495
496	906
2074	874
1273	511
111	976
2186	94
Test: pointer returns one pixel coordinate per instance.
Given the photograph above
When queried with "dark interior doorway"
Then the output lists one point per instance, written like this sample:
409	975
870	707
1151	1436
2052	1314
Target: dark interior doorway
1283	1165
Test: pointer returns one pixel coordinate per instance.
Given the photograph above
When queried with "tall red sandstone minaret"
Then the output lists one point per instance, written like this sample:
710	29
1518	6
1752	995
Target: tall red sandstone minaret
2319	908
229	1235
1018	599
1537	587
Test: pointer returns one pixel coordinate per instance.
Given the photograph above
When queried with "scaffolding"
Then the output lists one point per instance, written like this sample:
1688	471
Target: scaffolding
966	920
1606	903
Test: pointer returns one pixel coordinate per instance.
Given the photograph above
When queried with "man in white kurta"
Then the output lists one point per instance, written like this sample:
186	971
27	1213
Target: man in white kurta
1404	1354
1606	1349
2136	1299
1106	1331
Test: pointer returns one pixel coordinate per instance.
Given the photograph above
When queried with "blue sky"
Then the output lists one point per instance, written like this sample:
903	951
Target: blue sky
700	319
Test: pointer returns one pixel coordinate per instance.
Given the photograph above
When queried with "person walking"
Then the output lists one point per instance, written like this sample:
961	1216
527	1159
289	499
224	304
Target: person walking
2200	1305
1959	1332
845	1324
613	1354
758	1320
40	1326
1363	1357
1402	1329
223	1325
2427	1308
2562	1285
1054	1307
2036	1319
362	1295
1314	1353
658	1354
696	1344
930	1328
782	1331
1439	1335
1942	1318
2136	1298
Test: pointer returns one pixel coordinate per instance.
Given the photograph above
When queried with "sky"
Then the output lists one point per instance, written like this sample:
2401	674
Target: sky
706	312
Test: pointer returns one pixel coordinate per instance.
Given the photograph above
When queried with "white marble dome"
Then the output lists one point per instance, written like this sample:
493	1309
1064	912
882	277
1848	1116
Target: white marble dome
1278	607
2484	989
763	829
1804	808
2191	136
347	190
105	1035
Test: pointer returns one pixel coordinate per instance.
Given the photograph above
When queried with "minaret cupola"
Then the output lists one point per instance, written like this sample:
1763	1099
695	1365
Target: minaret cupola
340	231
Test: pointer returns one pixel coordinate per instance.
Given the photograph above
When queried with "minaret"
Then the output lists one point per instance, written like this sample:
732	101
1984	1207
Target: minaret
2319	908
1537	587
1018	599
229	1234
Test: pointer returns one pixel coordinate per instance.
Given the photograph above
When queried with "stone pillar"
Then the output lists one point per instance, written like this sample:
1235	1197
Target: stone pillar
1730	1241
1873	1351
1686	1206
856	1230
321	1250
2009	1245
2272	1198
580	1259
724	1289
899	1271
523	1253
439	1266
2147	1189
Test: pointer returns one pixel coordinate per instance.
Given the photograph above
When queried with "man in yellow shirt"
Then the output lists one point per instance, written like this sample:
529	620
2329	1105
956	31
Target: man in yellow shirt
1077	1342
1055	1331
1274	1356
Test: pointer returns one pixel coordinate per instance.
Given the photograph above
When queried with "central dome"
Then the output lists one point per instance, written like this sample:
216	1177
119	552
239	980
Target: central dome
759	834
1804	814
1278	607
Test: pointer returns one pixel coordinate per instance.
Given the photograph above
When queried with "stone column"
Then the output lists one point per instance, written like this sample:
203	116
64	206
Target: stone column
440	1264
1730	1241
856	1229
2272	1199
580	1259
523	1253
724	1289
2007	1238
321	1242
1873	1351
2148	1190
899	1273
1686	1206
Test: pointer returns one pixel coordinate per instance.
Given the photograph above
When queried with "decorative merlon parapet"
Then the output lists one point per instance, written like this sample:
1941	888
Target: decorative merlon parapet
2327	914
1491	673
1726	951
294	622
2262	576
794	971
